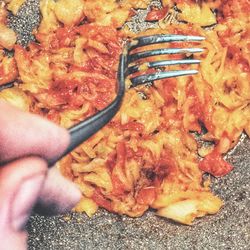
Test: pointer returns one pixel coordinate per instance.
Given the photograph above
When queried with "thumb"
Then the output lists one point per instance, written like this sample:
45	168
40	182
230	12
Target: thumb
20	184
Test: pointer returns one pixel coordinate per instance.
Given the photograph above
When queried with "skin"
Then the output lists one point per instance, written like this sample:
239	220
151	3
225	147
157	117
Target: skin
26	184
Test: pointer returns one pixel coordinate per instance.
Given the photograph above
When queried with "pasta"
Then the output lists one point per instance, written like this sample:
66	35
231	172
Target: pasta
147	156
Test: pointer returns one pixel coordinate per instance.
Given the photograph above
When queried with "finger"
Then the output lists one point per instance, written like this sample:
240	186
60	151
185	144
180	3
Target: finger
19	191
13	241
58	195
23	134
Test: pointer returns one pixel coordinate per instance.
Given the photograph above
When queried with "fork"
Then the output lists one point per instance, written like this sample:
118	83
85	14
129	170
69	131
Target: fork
85	129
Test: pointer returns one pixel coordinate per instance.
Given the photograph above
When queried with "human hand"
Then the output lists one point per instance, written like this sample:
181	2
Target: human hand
26	142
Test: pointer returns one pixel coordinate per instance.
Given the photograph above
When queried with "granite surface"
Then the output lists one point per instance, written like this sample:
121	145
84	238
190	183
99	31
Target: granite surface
229	229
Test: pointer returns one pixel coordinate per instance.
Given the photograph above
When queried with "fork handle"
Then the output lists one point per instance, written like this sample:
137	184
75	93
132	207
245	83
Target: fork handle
84	130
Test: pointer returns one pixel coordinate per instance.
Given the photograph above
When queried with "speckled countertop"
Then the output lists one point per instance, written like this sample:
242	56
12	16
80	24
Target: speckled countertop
229	229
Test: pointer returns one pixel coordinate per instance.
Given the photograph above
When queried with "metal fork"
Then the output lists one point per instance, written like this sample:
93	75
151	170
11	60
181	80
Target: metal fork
85	129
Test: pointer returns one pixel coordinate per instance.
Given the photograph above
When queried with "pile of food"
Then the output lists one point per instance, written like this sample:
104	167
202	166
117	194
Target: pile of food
148	156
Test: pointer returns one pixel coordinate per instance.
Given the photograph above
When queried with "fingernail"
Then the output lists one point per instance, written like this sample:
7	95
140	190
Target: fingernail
24	201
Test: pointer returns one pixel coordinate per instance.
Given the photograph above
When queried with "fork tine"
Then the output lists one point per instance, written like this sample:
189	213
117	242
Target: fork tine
135	68
156	39
142	79
157	52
